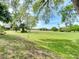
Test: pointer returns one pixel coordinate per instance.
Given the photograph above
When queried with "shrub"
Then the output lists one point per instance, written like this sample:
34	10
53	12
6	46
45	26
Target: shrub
15	27
54	29
61	29
68	29
65	29
75	28
43	29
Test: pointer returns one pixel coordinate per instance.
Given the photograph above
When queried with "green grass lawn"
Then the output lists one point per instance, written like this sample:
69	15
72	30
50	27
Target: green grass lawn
65	44
48	35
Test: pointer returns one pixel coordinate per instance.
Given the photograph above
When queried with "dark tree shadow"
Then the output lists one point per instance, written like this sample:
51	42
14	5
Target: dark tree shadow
8	37
24	49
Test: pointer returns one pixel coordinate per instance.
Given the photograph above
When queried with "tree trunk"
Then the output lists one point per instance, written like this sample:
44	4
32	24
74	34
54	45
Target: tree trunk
23	30
66	24
76	4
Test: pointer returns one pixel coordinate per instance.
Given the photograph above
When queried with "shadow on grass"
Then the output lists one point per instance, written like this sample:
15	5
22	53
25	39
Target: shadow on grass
24	49
63	46
17	39
9	37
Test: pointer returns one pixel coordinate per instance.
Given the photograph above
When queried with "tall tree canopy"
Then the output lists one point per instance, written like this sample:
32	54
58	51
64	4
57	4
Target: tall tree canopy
4	14
43	8
69	14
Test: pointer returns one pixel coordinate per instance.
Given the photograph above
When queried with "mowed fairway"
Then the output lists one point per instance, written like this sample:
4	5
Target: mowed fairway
65	44
37	35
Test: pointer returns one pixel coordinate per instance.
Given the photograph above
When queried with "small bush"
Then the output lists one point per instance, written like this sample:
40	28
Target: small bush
65	29
15	27
43	29
61	29
54	29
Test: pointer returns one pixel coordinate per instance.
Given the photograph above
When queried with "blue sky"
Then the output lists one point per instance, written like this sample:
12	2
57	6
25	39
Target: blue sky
54	21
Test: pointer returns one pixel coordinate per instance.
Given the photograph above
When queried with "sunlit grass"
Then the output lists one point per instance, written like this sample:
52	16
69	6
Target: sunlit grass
47	35
65	44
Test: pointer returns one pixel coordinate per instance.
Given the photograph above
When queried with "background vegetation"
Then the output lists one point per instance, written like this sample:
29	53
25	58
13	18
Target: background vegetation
19	40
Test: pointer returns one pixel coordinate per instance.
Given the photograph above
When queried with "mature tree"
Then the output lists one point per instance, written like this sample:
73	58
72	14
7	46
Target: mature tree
24	15
69	15
32	21
4	14
21	13
75	28
14	4
54	29
27	23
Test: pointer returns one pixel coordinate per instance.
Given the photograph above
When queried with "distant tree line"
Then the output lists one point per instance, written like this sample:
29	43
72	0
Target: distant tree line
74	28
66	29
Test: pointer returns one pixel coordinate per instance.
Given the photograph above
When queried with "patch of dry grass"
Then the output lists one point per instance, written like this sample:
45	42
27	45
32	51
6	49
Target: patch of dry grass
16	47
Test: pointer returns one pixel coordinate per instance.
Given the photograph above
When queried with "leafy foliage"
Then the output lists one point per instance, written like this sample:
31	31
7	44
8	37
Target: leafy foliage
39	4
75	28
4	14
67	12
43	8
43	29
54	29
65	29
69	28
